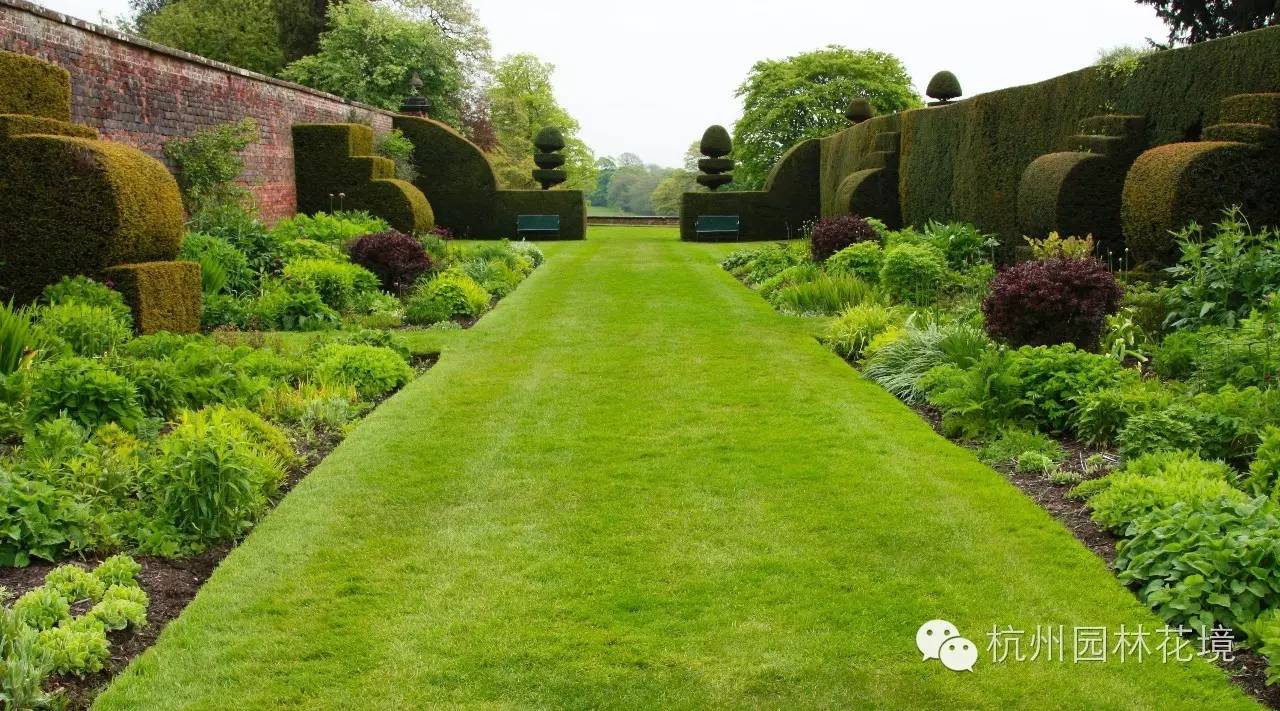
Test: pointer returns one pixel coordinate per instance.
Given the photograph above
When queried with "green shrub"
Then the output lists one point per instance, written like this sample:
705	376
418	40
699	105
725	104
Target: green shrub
899	365
493	275
86	391
77	647
210	481
18	338
337	283
207	249
979	401
294	250
373	370
243	230
224	311
860	259
530	251
790	276
1161	431
851	331
395	146
86	330
1013	443
1054	378
74	583
39	522
1204	564
445	296
1220	279
1176	357
121	606
42	608
332	228
208	164
1264	470
24	665
824	295
284	307
1157	481
961	243
83	290
373	337
913	273
118	570
1100	415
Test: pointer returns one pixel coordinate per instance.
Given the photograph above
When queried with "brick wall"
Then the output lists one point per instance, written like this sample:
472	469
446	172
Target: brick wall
143	94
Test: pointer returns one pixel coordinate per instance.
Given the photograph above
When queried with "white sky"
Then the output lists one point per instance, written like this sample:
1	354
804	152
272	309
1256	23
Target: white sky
647	77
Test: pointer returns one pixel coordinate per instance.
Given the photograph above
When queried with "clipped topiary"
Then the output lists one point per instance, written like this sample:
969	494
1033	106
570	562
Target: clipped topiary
716	142
549	140
1052	301
832	234
715	168
944	86
335	166
859	110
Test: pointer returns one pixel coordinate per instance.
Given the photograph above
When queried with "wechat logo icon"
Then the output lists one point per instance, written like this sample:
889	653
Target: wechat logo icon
939	639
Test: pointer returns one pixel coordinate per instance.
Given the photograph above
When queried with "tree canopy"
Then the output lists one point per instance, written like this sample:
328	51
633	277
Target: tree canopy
240	32
786	101
522	102
1192	21
370	52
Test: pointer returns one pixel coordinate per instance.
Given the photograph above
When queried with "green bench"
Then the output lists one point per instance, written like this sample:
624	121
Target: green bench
538	225
716	226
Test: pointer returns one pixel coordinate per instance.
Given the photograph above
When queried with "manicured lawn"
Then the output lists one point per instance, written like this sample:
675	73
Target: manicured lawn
634	485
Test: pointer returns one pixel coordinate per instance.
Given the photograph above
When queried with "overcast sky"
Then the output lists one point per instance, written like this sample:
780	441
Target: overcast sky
648	76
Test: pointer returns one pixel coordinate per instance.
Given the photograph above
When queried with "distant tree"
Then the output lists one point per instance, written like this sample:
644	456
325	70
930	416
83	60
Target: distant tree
522	102
605	168
786	101
1192	21
369	53
142	12
670	192
243	33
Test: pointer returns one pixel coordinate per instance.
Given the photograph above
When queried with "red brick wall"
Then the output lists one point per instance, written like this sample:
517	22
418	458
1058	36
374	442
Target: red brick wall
143	94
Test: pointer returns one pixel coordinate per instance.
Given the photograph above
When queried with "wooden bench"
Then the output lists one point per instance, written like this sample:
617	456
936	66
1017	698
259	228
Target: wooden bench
538	225
716	226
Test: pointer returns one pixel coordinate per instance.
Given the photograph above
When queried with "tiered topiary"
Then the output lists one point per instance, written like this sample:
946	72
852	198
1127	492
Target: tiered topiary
944	86
338	160
76	205
859	110
548	158
716	145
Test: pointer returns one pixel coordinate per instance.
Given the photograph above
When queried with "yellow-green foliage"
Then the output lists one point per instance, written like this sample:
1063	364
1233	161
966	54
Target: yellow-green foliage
790	199
339	160
78	206
1173	185
164	296
21	125
30	86
461	185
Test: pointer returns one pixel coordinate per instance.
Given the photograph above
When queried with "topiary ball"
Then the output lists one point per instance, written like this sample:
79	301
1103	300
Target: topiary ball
549	140
944	86
1058	300
859	110
716	142
832	234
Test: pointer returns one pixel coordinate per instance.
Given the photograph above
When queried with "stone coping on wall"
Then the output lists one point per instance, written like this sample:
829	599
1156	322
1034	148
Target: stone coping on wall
125	38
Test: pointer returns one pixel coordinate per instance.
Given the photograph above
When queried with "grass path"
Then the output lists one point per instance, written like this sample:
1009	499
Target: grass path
634	485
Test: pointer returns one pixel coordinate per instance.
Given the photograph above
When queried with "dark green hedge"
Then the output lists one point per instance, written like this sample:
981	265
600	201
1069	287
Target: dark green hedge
164	296
30	86
790	199
965	161
570	205
333	159
77	206
1170	186
1073	194
459	182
